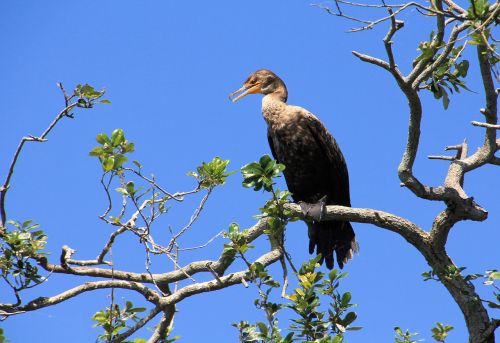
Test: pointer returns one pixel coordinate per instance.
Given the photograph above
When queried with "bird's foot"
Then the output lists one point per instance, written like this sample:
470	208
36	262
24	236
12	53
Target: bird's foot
315	211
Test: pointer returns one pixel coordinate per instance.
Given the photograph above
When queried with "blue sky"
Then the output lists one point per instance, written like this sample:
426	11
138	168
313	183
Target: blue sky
168	67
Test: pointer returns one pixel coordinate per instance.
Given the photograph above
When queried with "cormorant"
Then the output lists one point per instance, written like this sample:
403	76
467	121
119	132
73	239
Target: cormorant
315	169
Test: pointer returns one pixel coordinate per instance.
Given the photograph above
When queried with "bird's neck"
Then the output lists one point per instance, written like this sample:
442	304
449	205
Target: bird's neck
273	108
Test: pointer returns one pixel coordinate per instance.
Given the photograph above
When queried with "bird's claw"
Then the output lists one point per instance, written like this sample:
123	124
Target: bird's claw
314	211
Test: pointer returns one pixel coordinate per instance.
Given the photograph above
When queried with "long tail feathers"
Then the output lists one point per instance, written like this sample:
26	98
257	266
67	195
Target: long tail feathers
332	236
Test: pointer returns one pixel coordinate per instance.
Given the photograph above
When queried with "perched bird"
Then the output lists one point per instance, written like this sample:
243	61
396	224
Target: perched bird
315	169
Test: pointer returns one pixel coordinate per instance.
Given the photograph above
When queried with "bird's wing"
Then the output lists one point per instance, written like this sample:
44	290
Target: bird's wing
338	174
271	145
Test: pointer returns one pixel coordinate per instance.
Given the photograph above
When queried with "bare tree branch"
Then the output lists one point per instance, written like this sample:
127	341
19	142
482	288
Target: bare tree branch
42	302
408	230
143	321
486	125
163	326
191	269
42	138
222	282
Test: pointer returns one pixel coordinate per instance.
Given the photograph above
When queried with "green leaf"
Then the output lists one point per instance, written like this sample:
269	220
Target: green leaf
108	163
354	328
102	138
288	338
137	164
494	276
130	188
137	309
117	137
121	190
446	99
265	160
349	318
26	224
119	161
97	151
128	147
346	298
105	101
463	68
262	328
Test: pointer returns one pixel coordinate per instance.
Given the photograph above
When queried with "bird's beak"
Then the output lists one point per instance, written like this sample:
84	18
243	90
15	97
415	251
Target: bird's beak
244	91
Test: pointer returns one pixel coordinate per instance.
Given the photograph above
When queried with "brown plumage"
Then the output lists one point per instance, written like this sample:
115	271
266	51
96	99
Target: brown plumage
315	173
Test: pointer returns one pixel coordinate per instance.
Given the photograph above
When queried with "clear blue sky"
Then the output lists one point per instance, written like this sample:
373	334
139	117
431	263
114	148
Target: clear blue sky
168	67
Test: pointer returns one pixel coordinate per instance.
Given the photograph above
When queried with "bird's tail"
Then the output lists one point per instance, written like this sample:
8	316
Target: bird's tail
329	236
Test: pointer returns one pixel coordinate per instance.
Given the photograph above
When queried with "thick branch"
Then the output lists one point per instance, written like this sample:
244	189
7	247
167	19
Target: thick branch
219	283
485	153
464	294
405	228
164	325
42	302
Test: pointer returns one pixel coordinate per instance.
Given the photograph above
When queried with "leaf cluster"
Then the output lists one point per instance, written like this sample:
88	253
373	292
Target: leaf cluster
18	247
450	272
212	174
275	207
239	243
112	151
129	189
404	336
492	276
258	175
88	96
311	324
271	331
441	331
453	272
114	320
478	10
450	74
314	324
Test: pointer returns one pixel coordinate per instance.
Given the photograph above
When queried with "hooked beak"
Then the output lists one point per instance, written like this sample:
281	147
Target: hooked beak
244	91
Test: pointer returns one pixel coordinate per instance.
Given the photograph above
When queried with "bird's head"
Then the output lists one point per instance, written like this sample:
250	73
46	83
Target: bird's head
262	81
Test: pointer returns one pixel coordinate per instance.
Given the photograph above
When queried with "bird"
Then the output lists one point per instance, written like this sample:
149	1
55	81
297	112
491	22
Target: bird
315	169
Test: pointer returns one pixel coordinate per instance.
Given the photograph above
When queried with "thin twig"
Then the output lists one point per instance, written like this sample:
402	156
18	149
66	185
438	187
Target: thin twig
203	245
193	218
285	278
42	138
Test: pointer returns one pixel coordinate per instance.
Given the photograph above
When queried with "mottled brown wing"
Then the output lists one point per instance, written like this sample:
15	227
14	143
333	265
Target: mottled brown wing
337	174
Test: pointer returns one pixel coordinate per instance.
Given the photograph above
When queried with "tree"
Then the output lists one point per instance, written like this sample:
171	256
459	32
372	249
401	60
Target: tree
439	68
